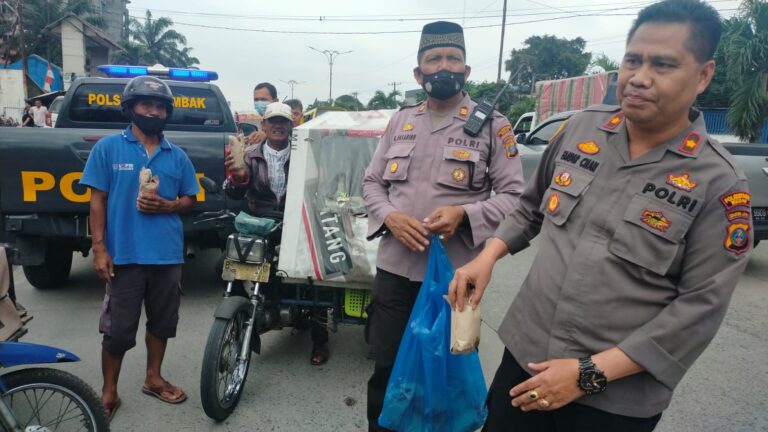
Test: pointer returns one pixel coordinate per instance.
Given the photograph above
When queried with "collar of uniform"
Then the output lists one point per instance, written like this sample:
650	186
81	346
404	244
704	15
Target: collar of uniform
130	137
461	110
690	142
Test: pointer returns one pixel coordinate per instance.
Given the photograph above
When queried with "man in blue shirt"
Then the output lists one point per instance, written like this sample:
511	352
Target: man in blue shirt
138	239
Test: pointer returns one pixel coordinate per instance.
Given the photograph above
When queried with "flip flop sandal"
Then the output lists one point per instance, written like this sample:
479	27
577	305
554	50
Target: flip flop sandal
320	355
111	411
159	394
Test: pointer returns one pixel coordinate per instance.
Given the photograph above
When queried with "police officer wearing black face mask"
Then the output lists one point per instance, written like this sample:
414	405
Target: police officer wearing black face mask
429	177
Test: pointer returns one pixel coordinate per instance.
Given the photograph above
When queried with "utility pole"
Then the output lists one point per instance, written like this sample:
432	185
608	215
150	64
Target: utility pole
330	55
293	83
501	46
394	85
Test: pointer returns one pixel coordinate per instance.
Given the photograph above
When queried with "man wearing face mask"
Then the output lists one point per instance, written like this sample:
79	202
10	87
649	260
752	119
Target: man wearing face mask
429	177
263	181
263	95
138	240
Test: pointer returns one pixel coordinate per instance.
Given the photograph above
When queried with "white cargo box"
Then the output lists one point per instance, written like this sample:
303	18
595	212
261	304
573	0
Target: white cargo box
325	222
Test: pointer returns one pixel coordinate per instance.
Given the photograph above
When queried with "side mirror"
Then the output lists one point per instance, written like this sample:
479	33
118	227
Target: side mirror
209	185
520	138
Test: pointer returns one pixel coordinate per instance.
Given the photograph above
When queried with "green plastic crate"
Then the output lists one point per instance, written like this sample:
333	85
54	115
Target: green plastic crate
355	301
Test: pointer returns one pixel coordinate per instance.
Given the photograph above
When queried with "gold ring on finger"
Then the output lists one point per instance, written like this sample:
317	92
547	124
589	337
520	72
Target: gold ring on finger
543	403
533	395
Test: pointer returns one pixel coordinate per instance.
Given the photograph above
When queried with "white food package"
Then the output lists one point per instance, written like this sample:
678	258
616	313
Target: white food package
465	329
237	149
148	183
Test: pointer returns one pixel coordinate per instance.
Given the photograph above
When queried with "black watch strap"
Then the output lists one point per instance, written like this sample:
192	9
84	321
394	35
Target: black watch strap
591	379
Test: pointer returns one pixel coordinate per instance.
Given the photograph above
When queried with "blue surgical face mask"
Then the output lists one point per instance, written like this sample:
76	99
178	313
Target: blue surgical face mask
260	106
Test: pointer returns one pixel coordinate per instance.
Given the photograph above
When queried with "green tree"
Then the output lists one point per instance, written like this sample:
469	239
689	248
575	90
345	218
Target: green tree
548	57
603	63
158	42
381	100
720	89
523	105
746	54
349	103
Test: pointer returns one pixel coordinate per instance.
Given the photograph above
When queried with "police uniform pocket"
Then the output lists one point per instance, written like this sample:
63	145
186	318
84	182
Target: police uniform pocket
650	234
458	167
398	159
564	194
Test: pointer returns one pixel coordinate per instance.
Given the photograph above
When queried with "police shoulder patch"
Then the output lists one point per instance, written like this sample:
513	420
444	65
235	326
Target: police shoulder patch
737	238
736	199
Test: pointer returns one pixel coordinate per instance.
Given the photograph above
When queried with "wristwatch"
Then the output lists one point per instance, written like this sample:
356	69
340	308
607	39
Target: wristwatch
591	379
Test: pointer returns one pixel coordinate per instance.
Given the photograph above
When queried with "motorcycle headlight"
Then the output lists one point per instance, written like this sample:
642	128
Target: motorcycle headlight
250	247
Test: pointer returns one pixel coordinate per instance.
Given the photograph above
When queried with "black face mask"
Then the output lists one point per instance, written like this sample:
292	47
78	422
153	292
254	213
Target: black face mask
443	85
149	125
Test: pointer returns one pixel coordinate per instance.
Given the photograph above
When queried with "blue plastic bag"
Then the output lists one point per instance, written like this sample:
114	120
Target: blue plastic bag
431	389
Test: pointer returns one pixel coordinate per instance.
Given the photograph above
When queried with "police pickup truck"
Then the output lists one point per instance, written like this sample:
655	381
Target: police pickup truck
44	210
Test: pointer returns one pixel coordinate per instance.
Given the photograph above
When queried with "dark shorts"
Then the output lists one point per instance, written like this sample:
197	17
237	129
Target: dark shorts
157	286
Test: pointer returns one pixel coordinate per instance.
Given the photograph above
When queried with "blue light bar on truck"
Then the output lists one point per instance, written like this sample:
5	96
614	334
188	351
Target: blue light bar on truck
178	74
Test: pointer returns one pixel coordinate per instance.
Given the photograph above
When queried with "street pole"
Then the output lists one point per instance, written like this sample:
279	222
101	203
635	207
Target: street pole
501	46
293	83
330	55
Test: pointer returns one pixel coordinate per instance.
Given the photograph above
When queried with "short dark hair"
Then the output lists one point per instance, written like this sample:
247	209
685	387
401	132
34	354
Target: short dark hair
294	103
270	87
704	25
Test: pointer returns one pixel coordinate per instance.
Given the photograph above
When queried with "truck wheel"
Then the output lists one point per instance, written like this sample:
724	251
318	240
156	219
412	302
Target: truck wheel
54	271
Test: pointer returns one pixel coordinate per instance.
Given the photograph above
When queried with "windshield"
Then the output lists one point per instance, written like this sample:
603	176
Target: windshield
543	134
56	104
100	102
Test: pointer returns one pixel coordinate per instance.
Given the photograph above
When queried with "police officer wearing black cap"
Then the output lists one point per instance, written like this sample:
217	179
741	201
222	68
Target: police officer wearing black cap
430	177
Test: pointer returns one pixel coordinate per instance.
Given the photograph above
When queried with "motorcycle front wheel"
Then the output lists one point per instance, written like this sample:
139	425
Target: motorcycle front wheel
53	400
223	376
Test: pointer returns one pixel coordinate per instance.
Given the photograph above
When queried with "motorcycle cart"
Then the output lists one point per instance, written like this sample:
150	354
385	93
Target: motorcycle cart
313	263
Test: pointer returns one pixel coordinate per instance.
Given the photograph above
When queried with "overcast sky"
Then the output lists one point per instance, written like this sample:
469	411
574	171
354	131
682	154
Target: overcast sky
246	41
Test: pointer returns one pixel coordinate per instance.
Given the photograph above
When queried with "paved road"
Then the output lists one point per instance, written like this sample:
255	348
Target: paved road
727	390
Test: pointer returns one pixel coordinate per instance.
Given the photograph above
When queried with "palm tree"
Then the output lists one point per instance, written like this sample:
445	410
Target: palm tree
747	62
160	43
603	62
349	102
380	100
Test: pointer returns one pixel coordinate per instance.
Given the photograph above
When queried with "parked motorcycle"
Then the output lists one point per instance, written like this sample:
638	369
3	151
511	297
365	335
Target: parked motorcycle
259	298
45	399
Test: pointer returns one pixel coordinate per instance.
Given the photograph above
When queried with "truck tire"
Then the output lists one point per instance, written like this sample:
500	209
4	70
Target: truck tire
54	271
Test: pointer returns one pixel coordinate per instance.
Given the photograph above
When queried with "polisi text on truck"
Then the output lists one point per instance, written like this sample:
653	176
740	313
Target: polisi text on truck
36	182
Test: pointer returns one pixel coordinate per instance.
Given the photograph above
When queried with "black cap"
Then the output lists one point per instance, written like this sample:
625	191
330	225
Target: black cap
442	34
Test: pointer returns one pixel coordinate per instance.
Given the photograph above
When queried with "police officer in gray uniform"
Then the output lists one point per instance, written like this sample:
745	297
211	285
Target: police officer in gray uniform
645	226
428	176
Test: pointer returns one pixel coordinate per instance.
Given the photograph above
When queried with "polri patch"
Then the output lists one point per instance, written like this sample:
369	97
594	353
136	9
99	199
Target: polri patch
737	238
563	179
656	220
736	199
588	147
553	203
690	143
504	129
408	127
682	182
738	214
